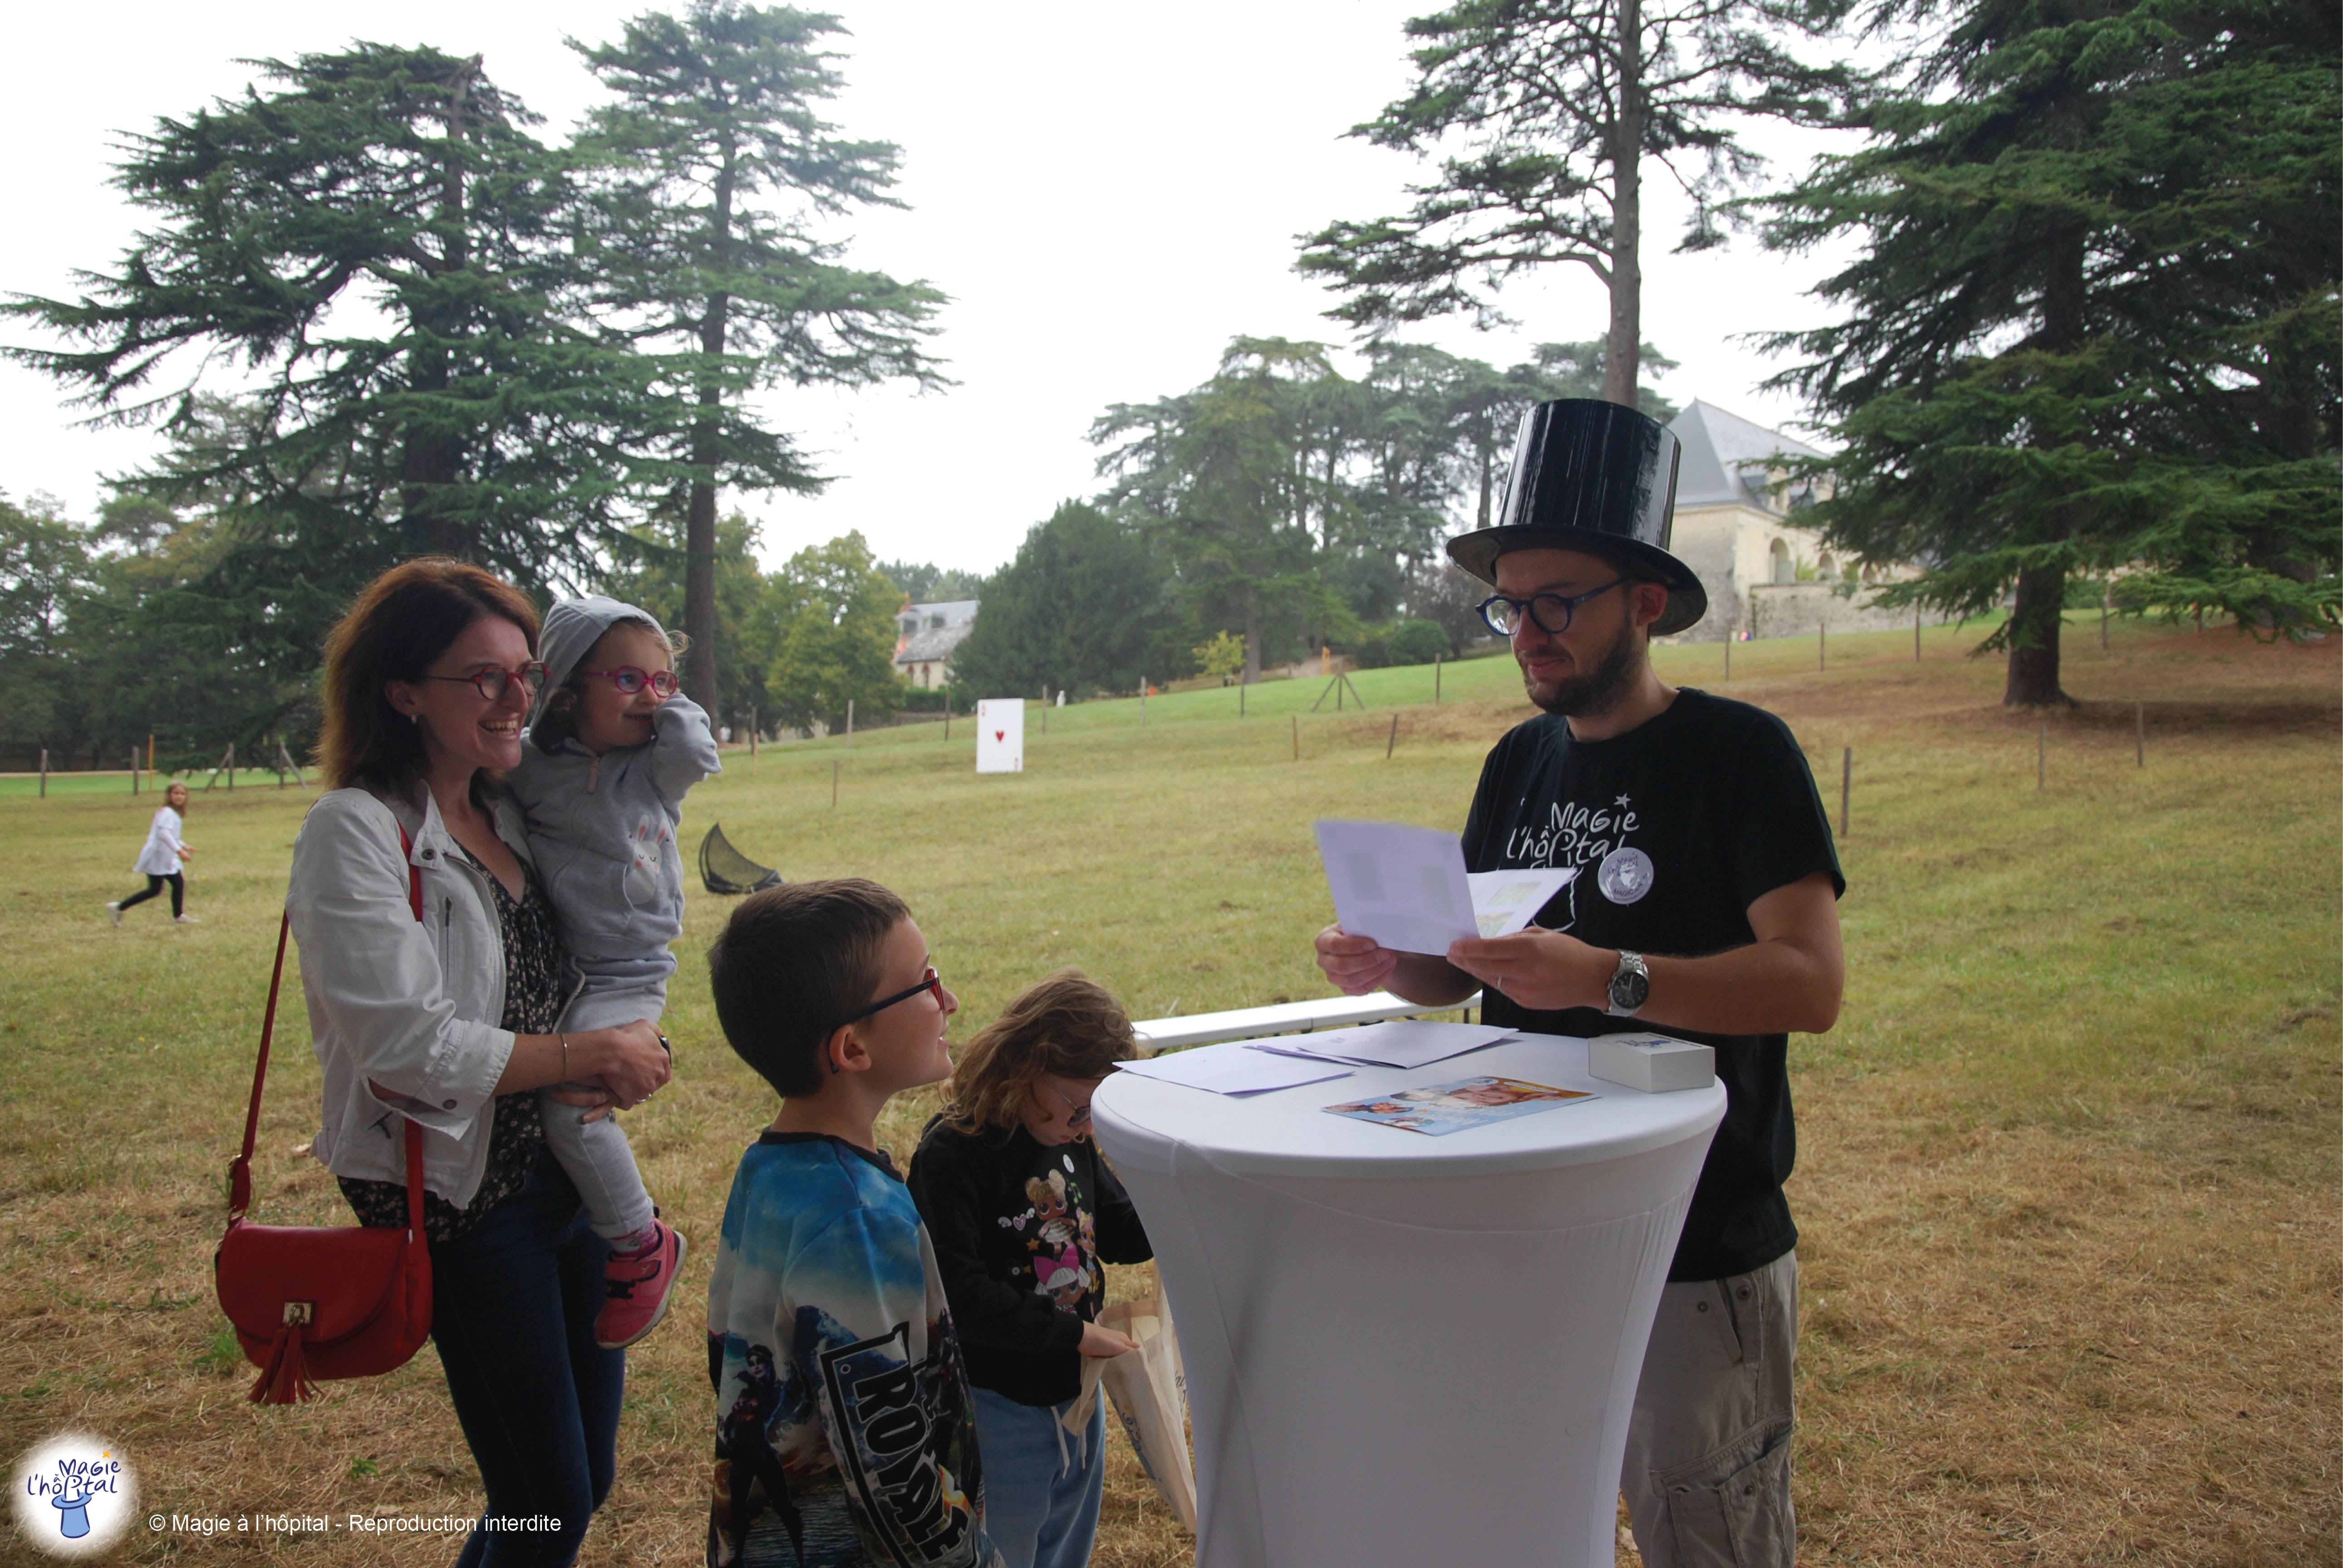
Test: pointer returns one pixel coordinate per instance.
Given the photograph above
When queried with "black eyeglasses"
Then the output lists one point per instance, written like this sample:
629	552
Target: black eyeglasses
928	982
1505	615
491	683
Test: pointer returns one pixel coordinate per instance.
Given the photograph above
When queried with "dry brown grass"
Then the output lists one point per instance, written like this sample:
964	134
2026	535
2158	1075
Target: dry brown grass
2066	1176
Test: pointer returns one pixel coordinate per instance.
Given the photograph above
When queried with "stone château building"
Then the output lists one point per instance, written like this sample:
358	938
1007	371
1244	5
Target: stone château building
1737	525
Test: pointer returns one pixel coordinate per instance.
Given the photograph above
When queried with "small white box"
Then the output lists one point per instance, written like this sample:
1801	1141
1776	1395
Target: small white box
1651	1063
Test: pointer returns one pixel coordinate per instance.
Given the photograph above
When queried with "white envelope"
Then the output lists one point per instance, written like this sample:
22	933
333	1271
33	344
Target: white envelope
1407	889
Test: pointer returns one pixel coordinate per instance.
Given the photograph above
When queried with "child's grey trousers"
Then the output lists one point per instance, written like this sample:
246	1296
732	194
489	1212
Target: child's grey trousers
595	1154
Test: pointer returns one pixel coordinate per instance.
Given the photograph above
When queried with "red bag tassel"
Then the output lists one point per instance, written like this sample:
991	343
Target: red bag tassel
286	1379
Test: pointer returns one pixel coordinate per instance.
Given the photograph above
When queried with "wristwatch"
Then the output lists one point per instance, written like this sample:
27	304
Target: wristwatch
1631	985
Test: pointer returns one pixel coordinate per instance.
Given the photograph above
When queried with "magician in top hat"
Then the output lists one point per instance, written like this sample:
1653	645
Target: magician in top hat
1705	906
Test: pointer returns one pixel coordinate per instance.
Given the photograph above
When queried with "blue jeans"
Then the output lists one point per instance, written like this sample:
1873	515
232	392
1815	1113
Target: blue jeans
1041	1483
512	1314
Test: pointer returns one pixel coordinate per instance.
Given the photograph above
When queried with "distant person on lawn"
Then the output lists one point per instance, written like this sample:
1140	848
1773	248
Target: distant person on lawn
1705	905
452	1021
159	861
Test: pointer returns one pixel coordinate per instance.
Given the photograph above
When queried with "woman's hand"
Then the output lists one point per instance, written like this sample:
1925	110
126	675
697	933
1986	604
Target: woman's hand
1104	1342
628	1063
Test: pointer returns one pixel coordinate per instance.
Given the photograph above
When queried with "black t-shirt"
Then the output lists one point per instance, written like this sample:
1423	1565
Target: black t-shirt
1020	1232
1677	827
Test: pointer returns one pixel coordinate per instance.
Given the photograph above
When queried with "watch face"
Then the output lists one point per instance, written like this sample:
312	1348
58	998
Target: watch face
1629	990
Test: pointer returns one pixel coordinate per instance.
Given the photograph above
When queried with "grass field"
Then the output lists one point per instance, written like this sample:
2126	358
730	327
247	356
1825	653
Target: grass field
2067	1175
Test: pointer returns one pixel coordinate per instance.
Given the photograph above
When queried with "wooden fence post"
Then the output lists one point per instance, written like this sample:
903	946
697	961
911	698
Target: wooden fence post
2139	733
44	772
1845	787
1297	738
1435	680
1393	739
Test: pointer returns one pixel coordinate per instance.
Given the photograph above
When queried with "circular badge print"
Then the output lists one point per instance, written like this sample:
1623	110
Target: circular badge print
1625	876
75	1495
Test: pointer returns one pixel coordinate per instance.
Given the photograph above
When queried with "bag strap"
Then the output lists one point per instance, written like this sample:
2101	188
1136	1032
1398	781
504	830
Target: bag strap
239	1172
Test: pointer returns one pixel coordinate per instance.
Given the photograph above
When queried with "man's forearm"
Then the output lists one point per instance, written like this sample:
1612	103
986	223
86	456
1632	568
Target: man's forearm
1765	988
1789	979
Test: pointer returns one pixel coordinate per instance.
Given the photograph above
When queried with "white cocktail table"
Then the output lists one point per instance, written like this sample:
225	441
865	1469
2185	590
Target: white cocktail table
1408	1351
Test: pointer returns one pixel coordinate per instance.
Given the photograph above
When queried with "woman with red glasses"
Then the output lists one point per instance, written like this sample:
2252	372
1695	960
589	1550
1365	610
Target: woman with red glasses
436	981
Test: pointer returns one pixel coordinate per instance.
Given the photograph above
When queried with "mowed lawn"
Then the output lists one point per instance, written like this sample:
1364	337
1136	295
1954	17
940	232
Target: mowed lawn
2067	1165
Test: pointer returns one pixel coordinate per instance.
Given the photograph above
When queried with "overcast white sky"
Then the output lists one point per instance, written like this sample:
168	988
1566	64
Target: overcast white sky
1109	194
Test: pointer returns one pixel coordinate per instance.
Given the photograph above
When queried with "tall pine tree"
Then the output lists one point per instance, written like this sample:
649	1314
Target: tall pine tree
2093	322
1545	113
712	169
376	240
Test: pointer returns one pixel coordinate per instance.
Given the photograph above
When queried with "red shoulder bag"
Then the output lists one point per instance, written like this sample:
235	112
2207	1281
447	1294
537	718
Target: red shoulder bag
312	1301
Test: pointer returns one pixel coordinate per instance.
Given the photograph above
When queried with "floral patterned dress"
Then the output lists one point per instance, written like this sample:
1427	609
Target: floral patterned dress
537	987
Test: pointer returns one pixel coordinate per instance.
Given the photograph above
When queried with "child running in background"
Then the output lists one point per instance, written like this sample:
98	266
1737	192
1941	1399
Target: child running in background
611	748
1023	1213
159	862
843	1434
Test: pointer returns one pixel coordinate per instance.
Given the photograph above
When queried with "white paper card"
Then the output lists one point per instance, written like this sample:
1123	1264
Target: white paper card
1407	888
1408	1042
1505	902
1000	735
1232	1070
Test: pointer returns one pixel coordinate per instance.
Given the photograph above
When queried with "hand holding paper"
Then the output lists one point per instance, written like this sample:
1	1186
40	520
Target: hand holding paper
1406	888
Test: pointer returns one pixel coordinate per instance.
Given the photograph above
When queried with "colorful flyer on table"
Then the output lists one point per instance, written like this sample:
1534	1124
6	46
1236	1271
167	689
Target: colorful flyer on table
1437	1110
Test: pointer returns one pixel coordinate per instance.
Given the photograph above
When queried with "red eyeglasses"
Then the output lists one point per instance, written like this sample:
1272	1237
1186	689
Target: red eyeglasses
629	681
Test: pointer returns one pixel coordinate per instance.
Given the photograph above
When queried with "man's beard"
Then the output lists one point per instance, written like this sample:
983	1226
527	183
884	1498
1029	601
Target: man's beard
1599	689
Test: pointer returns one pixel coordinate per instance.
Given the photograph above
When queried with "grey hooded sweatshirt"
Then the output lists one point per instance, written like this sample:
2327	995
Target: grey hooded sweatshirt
603	830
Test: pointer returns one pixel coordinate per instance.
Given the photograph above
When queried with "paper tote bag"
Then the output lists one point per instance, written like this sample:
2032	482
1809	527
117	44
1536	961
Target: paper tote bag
312	1301
1151	1399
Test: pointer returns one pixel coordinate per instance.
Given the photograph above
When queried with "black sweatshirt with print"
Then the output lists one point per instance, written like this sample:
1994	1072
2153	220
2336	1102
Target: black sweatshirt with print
1020	1232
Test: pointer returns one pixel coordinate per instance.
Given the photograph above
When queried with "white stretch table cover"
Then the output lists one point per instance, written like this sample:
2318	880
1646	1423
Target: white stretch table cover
1404	1350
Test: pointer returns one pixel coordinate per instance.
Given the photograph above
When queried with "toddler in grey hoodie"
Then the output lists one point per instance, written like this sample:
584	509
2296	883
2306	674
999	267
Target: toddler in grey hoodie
611	748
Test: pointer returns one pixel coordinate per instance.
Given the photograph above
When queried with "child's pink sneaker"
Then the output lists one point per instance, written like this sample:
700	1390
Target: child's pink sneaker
639	1285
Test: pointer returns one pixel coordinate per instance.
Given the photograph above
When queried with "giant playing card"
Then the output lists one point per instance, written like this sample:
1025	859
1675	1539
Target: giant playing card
1000	735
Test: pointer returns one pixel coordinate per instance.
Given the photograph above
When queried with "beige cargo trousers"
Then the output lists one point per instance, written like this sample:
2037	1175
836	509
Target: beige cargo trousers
1707	1469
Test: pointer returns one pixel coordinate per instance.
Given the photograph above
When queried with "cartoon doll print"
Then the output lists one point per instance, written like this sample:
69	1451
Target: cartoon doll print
1061	1246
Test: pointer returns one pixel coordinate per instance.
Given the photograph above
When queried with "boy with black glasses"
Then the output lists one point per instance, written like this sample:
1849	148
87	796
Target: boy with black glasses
844	1430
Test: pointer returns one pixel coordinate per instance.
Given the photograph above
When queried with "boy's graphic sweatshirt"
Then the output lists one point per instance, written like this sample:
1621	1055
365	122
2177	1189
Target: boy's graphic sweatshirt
603	829
1020	1232
844	1432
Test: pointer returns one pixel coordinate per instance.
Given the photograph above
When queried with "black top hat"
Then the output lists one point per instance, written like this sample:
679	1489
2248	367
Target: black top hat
1594	477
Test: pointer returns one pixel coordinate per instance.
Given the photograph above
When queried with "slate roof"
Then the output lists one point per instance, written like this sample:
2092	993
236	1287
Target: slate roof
1723	454
934	642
